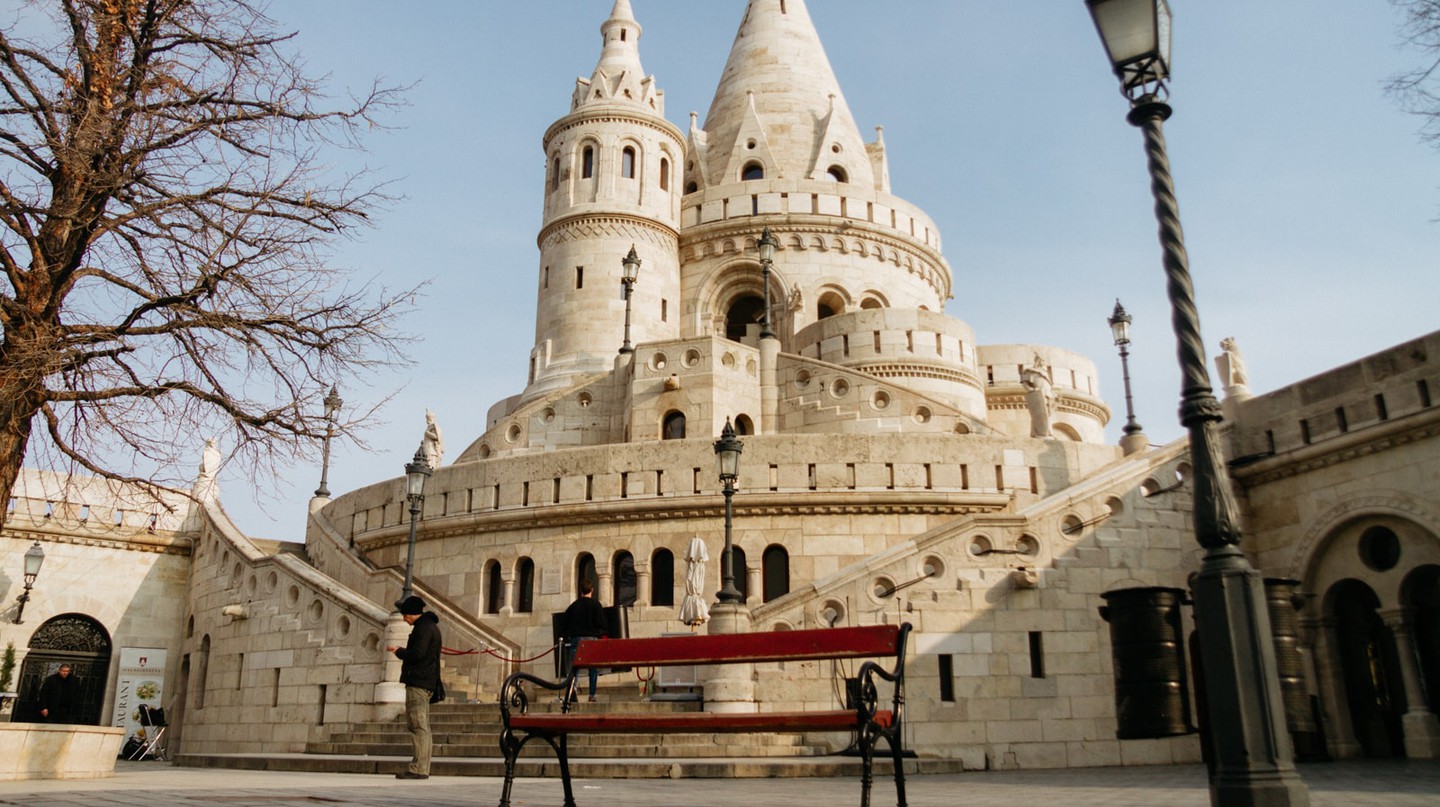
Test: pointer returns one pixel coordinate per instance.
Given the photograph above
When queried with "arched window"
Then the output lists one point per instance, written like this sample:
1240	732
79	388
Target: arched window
691	187
752	171
587	163
664	174
775	564
585	570
525	586
662	577
673	428
627	163
494	587
738	562
555	175
623	583
838	174
743	425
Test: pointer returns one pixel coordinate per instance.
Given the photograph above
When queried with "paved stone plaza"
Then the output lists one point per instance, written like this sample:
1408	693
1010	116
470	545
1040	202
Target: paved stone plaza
149	784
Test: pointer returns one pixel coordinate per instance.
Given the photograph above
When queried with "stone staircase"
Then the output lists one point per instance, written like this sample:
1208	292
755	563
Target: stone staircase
467	743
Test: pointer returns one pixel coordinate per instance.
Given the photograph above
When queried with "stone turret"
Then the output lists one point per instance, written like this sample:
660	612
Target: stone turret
611	183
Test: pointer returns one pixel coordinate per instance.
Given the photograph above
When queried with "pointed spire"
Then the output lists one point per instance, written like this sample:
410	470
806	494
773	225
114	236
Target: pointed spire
619	77
778	74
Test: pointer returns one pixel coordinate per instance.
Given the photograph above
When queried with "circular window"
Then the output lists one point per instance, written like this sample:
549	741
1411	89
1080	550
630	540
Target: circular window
883	588
584	399
922	414
750	144
292	596
315	611
728	360
835	148
840	388
342	626
692	357
1149	487
658	361
271	581
251	584
880	400
1028	546
962	428
1380	548
980	545
932	566
802	379
1071	526
372	642
1115	505
751	368
484	451
548	416
513	433
831	613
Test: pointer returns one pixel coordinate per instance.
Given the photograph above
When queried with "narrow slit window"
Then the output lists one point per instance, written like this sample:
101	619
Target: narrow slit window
627	163
587	163
1037	654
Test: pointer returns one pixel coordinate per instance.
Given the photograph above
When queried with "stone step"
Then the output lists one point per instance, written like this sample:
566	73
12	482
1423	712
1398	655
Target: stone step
494	766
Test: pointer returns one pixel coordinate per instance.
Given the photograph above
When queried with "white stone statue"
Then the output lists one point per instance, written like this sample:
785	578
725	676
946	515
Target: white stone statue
1039	398
1230	364
205	487
433	443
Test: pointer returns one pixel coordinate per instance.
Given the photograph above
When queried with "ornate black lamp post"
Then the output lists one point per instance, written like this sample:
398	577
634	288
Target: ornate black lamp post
417	473
34	559
630	267
1120	329
766	245
1252	757
727	455
332	408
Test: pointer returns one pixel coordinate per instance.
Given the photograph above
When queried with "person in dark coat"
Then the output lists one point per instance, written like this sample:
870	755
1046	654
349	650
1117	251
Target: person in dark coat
584	619
420	673
57	696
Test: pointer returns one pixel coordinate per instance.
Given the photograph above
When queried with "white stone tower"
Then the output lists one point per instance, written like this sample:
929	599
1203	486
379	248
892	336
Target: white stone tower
612	182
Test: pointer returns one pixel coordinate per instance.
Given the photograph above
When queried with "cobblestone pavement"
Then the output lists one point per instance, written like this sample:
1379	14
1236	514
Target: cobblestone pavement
151	784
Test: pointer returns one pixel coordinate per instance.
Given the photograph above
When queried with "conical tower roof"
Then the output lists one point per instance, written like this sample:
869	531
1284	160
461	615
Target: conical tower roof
619	77
779	103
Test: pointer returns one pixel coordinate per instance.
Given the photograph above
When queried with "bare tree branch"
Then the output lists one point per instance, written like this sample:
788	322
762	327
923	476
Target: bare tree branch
165	226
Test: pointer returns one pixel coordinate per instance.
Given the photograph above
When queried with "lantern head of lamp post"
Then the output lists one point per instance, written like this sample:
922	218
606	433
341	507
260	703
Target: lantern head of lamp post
1120	325
34	559
417	473
630	270
727	457
333	402
1136	34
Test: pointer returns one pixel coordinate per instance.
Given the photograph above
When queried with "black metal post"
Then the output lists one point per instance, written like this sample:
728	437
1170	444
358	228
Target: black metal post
406	590
332	405
1253	759
1131	427
728	592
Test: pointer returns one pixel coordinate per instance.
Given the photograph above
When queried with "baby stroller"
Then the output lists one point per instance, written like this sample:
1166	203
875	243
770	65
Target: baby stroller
152	719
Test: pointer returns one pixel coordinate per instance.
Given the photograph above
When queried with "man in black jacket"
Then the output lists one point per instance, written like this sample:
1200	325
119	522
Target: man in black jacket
57	697
420	673
584	619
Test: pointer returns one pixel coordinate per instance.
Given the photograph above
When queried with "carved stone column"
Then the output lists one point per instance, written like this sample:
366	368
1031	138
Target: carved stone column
507	593
1422	728
1330	679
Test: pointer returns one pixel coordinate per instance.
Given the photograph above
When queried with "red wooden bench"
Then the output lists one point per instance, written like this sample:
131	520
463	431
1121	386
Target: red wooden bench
863	716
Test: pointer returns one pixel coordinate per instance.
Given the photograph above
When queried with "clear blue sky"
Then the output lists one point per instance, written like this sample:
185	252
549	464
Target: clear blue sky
1308	203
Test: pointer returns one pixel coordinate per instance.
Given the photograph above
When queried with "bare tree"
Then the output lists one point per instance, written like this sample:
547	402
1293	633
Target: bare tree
1419	90
166	221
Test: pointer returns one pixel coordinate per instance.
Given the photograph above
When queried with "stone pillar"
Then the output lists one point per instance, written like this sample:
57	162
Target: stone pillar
642	584
1330	679
769	392
729	688
507	594
605	587
755	580
1422	728
390	693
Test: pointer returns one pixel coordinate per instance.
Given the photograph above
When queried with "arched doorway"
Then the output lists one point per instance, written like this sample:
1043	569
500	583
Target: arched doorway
73	639
744	313
1373	688
1421	593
